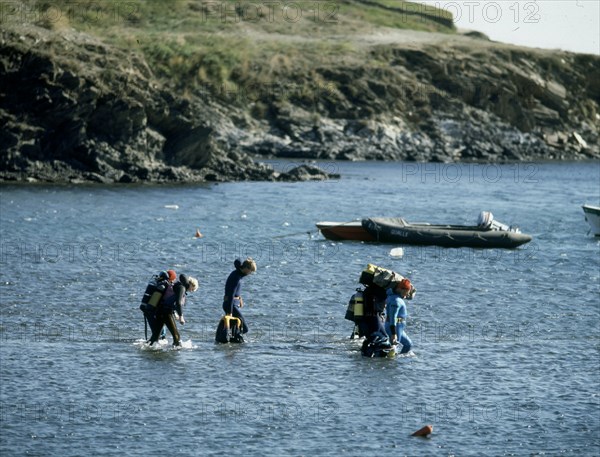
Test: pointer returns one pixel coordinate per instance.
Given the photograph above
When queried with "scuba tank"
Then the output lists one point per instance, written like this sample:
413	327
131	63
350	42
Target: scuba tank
355	310
153	293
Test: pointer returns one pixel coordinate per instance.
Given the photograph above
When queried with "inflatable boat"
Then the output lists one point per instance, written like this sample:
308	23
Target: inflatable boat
337	231
397	230
488	233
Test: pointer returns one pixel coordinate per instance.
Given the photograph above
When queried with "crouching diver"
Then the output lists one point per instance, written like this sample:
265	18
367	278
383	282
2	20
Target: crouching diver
232	300
172	303
377	343
397	313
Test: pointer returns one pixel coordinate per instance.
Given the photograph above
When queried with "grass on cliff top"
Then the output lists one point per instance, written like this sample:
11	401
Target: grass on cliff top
297	17
198	44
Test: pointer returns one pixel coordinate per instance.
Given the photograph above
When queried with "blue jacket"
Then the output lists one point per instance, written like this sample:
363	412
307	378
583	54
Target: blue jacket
395	310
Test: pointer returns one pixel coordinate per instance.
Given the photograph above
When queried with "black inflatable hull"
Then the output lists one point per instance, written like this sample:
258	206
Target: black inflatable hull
395	230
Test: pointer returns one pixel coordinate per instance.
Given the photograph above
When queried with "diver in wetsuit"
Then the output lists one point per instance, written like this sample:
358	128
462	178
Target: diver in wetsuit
371	326
232	300
165	278
374	305
396	314
172	303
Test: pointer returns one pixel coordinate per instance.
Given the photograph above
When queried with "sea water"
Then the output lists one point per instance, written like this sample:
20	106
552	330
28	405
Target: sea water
506	342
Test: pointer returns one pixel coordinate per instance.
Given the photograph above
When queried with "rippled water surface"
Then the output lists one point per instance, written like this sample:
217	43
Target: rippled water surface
506	342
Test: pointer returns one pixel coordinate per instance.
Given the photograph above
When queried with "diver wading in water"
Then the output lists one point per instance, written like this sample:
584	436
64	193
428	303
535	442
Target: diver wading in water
152	296
233	322
396	314
170	306
383	295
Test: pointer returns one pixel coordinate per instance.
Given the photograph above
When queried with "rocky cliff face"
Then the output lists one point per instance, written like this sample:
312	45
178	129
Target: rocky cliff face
76	109
465	100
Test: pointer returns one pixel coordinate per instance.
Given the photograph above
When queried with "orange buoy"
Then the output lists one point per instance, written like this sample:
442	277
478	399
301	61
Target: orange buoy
198	234
424	431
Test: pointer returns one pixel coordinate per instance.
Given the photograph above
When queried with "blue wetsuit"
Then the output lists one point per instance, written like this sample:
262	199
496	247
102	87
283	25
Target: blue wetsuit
396	314
231	300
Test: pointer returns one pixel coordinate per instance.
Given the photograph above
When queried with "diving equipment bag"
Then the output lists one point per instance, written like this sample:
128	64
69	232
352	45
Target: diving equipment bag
379	276
229	330
382	277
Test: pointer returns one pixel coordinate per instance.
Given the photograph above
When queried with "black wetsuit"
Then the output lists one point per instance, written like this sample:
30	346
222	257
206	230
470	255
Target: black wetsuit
231	300
372	321
165	315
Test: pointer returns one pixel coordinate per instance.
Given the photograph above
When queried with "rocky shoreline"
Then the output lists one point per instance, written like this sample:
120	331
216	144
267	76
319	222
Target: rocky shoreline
75	109
453	106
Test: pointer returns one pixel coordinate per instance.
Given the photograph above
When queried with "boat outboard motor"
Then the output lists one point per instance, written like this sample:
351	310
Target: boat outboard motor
485	220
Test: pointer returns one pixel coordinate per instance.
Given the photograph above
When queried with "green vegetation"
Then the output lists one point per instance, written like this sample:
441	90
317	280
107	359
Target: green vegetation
225	45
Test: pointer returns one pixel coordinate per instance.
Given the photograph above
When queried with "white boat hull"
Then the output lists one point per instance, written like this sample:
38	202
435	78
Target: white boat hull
592	216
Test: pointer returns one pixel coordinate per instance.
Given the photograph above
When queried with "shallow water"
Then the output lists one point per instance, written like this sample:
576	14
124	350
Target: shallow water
506	342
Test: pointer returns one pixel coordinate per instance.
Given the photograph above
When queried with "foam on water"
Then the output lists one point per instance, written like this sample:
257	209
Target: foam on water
163	345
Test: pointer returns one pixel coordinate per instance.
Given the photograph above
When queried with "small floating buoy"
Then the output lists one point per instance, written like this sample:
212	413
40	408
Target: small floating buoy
198	234
424	432
397	252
